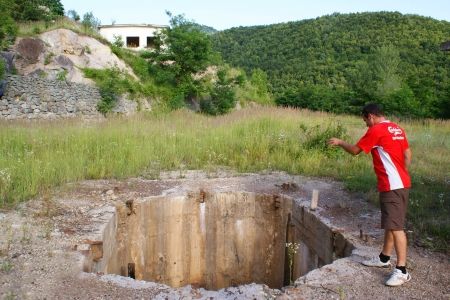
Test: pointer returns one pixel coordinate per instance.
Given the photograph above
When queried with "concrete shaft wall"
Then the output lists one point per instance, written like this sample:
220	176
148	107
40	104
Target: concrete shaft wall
214	240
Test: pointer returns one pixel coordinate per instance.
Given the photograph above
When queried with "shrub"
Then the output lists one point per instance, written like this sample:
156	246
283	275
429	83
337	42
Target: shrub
117	41
222	97
222	100
316	139
61	76
2	68
109	98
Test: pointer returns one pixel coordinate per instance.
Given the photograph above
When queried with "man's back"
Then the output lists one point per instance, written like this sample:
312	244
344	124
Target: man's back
387	142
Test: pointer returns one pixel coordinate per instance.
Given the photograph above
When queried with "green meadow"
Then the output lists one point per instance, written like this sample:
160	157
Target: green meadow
40	155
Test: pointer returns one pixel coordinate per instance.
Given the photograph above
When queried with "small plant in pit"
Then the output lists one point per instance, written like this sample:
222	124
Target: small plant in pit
292	249
61	75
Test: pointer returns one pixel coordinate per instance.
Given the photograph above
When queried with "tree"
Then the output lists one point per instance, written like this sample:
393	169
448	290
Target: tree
259	80
55	6
181	51
90	22
8	28
35	10
373	56
222	97
118	41
385	64
73	15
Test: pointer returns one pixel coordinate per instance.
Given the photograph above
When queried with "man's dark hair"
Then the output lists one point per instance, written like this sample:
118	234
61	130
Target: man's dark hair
372	108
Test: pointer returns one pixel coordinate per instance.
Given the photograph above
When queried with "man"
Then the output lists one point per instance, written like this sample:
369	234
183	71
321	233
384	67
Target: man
391	158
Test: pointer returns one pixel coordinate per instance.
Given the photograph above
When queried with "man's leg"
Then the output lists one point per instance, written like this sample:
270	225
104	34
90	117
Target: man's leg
399	276
383	260
400	245
388	242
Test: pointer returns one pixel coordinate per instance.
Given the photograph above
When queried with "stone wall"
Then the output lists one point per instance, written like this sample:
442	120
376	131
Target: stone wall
31	97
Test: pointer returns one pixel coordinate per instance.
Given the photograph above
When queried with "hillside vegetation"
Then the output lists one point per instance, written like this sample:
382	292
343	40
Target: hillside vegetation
182	70
341	61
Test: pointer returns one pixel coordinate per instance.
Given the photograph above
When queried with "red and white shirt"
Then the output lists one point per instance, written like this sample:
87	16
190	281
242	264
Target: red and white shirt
387	143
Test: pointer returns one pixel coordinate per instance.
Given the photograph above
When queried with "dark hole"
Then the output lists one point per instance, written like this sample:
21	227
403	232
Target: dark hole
131	270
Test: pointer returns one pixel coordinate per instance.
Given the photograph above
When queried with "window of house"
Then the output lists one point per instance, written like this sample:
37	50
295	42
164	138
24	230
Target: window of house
132	41
150	42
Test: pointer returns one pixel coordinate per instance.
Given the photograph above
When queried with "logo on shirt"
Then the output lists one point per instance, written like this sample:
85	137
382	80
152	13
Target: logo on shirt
396	132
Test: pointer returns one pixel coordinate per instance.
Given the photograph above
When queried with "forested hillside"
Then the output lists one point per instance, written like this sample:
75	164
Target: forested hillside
338	62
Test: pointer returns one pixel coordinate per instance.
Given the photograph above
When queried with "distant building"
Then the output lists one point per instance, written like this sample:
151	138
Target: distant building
445	46
134	36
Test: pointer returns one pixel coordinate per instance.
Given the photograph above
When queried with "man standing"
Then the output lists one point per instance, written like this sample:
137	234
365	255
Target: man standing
391	158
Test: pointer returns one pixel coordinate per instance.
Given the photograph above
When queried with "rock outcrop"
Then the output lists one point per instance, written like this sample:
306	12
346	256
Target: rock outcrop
50	84
62	52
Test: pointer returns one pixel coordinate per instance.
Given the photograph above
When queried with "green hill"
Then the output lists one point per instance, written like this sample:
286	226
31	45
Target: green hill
338	62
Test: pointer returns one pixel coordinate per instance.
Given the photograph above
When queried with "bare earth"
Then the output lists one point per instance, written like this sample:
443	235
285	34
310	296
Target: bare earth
39	260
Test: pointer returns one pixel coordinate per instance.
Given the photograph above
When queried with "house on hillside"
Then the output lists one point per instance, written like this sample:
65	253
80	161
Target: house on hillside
445	46
134	36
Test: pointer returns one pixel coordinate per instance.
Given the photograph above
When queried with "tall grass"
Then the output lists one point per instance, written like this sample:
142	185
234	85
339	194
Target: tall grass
33	28
38	156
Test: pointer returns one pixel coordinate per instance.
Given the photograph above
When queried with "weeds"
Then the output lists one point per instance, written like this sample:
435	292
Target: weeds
4	251
10	296
292	249
61	75
6	266
26	234
33	28
48	58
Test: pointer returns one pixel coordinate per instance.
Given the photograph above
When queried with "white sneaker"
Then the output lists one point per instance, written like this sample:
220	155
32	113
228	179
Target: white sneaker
398	278
376	262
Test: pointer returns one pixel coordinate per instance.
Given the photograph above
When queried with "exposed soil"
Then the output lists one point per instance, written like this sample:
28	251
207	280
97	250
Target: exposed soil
39	258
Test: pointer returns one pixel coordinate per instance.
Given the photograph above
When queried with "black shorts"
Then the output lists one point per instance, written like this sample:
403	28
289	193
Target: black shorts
393	206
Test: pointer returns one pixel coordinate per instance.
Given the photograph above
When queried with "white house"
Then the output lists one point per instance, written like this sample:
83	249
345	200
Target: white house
140	36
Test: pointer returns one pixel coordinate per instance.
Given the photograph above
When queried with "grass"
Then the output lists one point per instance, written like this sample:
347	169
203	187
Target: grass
37	156
34	28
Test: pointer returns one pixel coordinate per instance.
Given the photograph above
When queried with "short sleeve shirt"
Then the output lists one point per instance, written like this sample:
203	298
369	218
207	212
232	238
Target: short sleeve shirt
387	142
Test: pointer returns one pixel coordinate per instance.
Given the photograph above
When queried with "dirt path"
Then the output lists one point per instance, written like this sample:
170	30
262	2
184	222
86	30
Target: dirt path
38	259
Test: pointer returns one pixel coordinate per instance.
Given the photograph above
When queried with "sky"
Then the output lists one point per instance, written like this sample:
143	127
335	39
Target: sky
225	14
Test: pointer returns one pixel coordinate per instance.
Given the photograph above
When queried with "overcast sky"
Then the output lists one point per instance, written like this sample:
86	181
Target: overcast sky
225	14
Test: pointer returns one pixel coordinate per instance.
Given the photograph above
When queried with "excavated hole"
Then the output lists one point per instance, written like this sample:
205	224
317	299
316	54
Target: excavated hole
215	240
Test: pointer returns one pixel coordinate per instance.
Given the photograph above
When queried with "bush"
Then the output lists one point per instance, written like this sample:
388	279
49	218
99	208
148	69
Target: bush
317	139
8	28
118	41
90	22
222	100
2	68
109	98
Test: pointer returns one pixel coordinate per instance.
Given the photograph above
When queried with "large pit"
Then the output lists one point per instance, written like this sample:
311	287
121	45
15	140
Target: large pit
214	240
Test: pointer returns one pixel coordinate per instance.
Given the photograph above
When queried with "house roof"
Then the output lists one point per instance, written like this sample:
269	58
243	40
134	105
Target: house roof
133	25
445	46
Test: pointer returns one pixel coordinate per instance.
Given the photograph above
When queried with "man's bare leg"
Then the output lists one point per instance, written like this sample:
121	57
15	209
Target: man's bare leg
400	244
388	245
